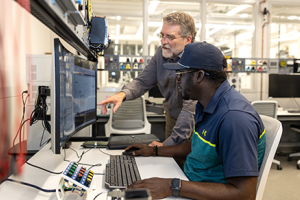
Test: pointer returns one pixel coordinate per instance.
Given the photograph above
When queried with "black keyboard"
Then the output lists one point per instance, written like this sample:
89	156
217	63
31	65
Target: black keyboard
294	111
121	171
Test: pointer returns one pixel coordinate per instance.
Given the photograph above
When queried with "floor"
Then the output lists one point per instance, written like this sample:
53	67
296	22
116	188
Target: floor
283	184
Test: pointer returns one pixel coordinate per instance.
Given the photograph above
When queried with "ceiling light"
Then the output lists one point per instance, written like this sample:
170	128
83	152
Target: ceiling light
244	15
221	43
149	41
157	31
140	30
152	7
225	26
237	9
288	38
229	23
292	17
118	17
244	36
155	24
228	50
116	41
288	34
213	31
117	29
273	24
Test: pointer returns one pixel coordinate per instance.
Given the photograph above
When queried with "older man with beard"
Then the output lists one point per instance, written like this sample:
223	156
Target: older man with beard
178	30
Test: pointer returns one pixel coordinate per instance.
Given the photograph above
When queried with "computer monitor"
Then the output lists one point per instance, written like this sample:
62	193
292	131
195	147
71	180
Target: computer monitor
284	85
73	95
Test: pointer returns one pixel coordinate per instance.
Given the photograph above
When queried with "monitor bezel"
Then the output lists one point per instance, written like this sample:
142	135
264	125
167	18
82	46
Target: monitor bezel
55	99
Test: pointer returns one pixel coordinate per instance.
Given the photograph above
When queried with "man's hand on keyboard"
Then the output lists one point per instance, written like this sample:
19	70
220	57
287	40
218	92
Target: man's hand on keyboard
143	150
159	187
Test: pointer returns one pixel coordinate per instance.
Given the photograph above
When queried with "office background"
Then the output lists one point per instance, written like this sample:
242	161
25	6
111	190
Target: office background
237	35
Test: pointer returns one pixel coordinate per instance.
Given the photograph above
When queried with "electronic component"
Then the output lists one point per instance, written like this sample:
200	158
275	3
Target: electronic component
98	34
286	66
75	177
238	65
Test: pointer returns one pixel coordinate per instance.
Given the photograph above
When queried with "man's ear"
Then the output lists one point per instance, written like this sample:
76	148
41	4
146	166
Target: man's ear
199	76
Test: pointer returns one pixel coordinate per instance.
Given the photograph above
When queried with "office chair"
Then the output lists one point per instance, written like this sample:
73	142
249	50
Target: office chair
267	108
130	118
273	133
295	128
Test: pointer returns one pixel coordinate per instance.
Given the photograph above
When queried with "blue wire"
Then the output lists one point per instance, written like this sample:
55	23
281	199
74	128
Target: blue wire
30	185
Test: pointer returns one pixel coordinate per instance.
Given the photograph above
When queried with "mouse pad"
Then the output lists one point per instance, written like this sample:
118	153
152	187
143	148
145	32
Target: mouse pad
123	141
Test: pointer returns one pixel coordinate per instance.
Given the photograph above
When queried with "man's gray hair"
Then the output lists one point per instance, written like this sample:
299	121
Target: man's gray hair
186	22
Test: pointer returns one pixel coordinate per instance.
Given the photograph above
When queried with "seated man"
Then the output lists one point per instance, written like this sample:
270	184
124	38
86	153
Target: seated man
228	144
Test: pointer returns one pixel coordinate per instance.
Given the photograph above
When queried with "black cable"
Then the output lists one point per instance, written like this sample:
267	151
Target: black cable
105	153
296	102
98	195
43	168
30	185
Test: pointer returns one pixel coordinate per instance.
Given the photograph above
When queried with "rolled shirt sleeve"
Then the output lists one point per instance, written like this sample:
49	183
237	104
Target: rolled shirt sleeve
184	125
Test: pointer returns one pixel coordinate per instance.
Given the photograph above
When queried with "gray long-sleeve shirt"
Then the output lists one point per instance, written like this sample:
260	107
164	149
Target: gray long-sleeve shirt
154	73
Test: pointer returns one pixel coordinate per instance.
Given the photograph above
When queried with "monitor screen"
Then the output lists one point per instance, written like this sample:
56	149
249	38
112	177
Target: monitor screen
73	95
284	85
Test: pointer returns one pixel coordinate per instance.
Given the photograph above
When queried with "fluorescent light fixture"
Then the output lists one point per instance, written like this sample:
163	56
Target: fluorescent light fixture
237	9
244	36
140	30
221	43
157	31
228	23
117	41
288	34
149	41
228	50
292	17
153	24
152	7
273	24
118	17
225	26
117	29
213	31
244	15
288	38
116	47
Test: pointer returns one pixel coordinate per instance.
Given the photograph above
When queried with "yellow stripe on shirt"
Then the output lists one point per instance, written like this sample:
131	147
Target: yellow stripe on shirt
213	145
262	133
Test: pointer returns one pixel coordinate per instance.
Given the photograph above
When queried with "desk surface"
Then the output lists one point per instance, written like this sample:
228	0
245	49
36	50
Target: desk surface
286	116
148	167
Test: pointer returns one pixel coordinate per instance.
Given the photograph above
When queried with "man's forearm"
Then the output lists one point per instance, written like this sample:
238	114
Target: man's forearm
242	188
178	151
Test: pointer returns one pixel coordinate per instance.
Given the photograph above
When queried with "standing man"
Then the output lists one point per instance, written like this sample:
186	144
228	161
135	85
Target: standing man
178	30
228	145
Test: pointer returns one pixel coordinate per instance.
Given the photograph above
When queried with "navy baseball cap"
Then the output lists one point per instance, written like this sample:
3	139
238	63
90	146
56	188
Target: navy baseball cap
199	55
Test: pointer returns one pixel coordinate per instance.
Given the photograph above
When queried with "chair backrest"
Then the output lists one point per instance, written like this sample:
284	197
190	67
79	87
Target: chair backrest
266	107
273	134
130	118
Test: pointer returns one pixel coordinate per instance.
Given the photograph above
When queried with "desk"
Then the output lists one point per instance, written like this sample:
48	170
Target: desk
148	167
289	138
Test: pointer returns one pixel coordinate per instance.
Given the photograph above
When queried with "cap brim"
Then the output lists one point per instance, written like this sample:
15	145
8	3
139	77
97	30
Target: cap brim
173	66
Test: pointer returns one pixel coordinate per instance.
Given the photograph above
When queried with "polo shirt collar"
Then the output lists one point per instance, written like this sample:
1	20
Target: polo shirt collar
224	87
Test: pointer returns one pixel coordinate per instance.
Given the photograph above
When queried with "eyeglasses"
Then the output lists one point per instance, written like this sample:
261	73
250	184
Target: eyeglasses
167	38
179	73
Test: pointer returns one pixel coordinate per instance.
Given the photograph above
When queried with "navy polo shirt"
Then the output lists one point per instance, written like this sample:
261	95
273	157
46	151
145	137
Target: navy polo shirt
228	139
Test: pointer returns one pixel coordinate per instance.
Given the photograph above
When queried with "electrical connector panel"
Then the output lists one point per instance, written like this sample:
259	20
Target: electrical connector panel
77	178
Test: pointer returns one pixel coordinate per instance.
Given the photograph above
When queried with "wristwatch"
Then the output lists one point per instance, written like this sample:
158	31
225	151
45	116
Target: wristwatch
176	185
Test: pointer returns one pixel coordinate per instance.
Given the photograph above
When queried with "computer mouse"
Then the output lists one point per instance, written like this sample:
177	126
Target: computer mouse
130	151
